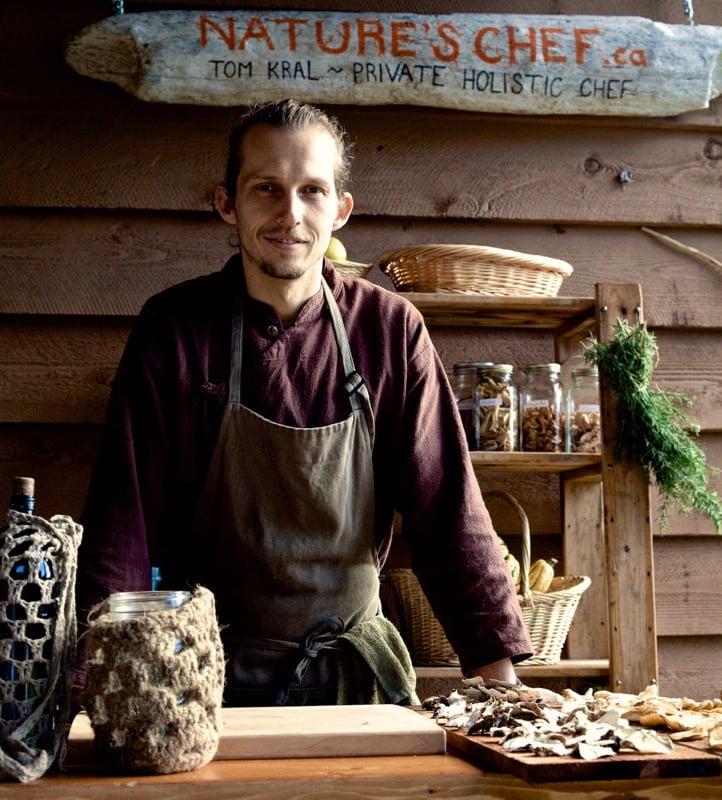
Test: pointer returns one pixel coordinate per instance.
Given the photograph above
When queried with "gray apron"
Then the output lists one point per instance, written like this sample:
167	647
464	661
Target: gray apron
285	524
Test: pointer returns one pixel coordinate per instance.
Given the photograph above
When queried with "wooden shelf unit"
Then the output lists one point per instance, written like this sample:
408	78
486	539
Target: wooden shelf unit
536	462
568	668
606	503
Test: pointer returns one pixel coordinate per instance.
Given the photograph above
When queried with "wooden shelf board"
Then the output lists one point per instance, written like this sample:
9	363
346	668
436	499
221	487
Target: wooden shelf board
570	668
534	462
485	311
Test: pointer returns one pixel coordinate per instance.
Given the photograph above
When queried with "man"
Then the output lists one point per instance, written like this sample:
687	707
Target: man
266	422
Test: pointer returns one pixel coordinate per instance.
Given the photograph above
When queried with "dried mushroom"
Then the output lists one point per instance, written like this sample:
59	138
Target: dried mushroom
496	412
532	720
541	429
585	432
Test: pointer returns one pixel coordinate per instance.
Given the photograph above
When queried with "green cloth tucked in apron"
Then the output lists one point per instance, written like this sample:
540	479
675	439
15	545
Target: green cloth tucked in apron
286	539
375	666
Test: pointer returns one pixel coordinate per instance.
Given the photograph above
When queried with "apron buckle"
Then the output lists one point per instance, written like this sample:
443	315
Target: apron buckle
354	383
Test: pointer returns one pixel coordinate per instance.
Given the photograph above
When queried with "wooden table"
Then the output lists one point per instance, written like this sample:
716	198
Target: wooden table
368	778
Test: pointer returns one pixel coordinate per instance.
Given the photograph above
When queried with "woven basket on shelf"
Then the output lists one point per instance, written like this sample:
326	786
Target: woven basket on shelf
473	269
547	615
352	269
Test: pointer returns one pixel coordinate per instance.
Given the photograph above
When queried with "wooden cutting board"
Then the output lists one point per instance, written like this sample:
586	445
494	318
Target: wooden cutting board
305	731
487	752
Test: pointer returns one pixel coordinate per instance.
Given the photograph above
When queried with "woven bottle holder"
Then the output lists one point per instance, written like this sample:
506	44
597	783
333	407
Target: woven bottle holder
547	615
38	559
154	687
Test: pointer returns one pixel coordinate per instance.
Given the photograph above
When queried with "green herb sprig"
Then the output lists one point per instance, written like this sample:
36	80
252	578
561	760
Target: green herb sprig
653	425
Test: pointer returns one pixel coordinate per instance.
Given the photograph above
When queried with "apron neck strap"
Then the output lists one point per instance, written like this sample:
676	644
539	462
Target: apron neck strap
354	384
234	381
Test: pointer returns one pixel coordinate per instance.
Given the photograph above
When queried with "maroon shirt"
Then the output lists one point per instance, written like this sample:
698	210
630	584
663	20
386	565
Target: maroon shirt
163	420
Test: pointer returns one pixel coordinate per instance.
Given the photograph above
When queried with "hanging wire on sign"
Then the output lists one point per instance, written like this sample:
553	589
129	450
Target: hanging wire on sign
688	11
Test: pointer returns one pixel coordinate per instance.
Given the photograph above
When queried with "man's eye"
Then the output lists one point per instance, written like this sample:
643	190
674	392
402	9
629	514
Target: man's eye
313	190
264	187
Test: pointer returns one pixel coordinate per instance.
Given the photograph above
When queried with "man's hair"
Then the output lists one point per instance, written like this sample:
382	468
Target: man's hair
294	115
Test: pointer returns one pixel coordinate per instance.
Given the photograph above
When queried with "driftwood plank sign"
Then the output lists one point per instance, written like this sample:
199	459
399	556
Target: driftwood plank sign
480	62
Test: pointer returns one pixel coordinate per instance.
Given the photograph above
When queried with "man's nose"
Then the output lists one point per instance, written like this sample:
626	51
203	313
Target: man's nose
289	211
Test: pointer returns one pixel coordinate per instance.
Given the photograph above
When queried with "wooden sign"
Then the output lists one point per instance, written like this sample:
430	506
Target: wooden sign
518	64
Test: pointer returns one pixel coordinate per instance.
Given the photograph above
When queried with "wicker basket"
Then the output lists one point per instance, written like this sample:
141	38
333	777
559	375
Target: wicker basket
472	269
547	615
352	269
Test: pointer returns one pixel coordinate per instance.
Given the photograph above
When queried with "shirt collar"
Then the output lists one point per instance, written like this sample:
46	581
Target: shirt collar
261	312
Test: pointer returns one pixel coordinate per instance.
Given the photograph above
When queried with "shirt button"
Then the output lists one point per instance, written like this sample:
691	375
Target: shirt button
272	331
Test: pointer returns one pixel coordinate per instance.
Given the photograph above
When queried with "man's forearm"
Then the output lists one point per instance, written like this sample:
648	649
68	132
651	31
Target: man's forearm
502	670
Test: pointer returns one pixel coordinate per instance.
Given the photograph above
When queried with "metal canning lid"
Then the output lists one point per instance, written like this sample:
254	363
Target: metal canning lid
552	366
496	369
585	372
471	366
131	605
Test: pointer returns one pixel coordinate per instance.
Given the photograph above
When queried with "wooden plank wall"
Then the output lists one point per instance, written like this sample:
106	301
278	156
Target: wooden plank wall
105	200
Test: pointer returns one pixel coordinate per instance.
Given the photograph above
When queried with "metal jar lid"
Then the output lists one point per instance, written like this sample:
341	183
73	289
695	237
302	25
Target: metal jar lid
585	372
552	367
131	605
471	366
496	369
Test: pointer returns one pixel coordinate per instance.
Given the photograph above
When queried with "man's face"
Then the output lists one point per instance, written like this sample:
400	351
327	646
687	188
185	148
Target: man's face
286	206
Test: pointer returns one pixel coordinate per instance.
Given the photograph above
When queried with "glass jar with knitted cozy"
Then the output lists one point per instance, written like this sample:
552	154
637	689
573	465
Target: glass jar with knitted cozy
135	605
541	410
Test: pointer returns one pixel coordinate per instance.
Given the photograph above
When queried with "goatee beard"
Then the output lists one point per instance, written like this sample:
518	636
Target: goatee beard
282	273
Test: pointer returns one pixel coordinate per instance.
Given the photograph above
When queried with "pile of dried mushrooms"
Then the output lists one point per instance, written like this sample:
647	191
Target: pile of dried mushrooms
590	726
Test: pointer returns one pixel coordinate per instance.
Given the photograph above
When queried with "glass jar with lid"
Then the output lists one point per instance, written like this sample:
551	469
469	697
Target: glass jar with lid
136	605
463	387
584	420
495	397
541	403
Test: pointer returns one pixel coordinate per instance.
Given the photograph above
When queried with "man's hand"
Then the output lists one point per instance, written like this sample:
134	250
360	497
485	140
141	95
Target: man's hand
504	671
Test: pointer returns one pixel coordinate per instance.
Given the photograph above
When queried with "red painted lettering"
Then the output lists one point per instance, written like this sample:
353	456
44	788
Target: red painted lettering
479	48
638	58
444	29
549	44
399	38
517	44
256	30
370	29
325	46
229	36
581	45
293	25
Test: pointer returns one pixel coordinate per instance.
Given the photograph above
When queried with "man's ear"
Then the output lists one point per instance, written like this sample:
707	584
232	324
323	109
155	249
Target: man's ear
224	205
345	207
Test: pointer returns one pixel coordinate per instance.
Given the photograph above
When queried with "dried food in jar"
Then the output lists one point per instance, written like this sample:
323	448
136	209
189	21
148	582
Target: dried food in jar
541	429
584	421
496	408
541	402
585	431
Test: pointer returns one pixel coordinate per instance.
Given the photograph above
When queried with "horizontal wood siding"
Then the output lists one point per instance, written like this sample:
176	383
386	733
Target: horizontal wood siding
447	164
128	256
106	200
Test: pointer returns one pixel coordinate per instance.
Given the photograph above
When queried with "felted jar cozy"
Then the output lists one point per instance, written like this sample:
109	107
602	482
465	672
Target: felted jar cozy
154	687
